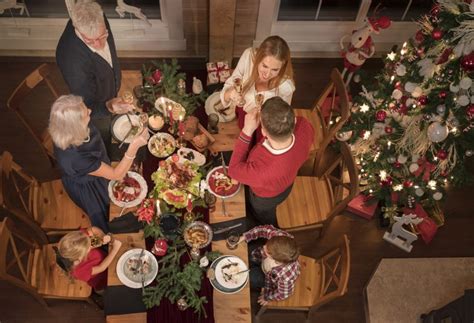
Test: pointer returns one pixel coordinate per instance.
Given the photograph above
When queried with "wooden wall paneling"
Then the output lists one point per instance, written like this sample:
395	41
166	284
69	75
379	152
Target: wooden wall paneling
221	29
246	15
196	27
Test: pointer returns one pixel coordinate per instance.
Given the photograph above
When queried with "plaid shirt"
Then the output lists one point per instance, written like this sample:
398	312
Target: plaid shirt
280	280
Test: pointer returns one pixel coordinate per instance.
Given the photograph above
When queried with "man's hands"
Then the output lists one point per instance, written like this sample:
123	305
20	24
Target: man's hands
260	299
118	106
252	121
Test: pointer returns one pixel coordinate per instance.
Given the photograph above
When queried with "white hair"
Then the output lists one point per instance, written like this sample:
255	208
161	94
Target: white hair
87	17
65	121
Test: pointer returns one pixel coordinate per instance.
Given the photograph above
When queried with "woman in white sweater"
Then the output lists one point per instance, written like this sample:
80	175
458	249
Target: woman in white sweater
266	70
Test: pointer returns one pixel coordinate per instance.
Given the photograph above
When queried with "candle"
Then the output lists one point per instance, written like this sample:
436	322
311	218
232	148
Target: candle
158	209
189	207
170	115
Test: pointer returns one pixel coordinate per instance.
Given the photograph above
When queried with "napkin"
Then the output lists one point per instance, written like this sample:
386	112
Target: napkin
123	300
222	225
126	223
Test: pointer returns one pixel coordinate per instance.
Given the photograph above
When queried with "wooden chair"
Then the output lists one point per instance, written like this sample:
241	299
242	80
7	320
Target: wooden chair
24	90
329	113
314	201
32	267
321	281
37	205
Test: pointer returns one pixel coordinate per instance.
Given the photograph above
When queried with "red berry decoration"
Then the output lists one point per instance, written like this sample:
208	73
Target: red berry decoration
380	115
467	62
408	184
442	154
470	111
398	85
423	100
442	95
388	129
437	34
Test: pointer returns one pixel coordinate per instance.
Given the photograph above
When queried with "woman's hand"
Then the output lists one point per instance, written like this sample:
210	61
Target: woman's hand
141	139
117	106
234	96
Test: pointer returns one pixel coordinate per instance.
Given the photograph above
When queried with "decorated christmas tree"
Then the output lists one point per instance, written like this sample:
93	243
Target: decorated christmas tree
413	128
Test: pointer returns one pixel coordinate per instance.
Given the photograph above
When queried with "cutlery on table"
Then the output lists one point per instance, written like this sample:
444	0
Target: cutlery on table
224	169
126	136
140	263
228	228
240	272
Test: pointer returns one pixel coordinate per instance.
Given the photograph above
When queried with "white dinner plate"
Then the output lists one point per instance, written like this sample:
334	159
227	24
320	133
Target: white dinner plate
213	105
217	171
234	264
121	126
143	186
191	155
127	277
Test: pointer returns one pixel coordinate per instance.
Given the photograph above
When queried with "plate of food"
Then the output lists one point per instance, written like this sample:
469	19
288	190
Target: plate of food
125	128
129	191
197	234
221	185
135	266
174	181
228	274
161	144
191	155
169	107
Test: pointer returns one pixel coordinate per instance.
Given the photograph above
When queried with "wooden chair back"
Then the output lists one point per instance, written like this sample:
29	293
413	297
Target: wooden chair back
335	269
333	108
43	74
32	267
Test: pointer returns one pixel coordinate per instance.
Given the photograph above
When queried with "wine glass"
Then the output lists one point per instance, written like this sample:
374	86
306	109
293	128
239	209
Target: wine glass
259	100
238	87
127	97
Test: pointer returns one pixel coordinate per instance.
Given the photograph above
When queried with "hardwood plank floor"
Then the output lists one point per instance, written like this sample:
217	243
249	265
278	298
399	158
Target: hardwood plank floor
455	239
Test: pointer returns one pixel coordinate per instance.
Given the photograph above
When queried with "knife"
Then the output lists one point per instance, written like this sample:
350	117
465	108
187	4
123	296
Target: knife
228	228
224	169
126	136
140	264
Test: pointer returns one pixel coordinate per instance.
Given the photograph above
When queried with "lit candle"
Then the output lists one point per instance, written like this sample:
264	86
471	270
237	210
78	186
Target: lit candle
170	115
189	207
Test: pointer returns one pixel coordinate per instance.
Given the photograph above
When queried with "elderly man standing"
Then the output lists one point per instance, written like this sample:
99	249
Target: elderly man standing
87	58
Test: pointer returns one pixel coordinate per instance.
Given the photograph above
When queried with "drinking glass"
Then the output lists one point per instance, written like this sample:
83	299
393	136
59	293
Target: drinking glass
212	122
238	87
259	100
232	240
127	97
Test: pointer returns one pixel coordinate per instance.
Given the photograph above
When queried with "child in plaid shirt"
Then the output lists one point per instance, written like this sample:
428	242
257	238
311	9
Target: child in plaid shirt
276	265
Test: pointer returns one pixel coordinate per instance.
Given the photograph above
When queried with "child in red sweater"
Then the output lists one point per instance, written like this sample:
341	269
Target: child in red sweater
270	167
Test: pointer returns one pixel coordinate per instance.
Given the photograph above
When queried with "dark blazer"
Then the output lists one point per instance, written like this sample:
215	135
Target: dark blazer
86	73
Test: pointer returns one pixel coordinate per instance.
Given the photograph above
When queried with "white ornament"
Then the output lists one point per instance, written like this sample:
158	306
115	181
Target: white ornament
463	100
441	109
203	262
413	167
397	231
397	94
417	92
364	108
437	132
391	159
453	88
402	159
197	85
409	86
344	136
356	78
469	153
397	187
419	192
401	70
437	196
427	68
465	83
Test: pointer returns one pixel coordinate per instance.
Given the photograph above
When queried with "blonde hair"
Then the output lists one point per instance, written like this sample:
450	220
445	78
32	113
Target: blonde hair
276	47
74	246
65	121
283	249
87	17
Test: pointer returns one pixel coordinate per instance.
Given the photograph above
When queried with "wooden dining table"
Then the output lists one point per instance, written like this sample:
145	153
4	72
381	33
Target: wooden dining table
227	307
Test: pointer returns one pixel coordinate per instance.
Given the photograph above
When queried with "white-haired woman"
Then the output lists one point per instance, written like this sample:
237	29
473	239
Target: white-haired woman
81	154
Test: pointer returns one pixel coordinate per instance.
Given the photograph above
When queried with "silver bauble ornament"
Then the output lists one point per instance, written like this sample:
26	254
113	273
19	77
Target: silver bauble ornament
413	167
402	159
437	132
437	196
469	153
417	92
397	94
409	86
419	192
441	109
463	100
454	88
465	83
391	159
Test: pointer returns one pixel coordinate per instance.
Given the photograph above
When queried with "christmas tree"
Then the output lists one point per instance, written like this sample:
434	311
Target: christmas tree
413	128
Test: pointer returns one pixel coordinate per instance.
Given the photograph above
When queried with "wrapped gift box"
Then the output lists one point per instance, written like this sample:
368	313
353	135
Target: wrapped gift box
363	206
217	72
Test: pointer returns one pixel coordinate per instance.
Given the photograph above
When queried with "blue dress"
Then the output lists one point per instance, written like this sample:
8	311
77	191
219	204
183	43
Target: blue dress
89	192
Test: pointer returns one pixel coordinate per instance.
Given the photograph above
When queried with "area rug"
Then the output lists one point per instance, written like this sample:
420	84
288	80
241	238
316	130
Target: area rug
403	289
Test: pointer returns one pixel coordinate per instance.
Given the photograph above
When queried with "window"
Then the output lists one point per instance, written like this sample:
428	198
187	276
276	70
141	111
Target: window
320	10
57	9
401	10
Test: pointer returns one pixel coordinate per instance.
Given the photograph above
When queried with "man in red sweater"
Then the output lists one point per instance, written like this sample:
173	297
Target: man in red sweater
270	167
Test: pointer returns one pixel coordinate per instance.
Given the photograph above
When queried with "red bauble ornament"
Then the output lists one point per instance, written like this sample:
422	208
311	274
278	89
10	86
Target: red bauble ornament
380	115
160	247
398	85
467	62
470	111
408	183
362	133
442	154
435	10
437	34
156	77
397	164
387	181
423	100
445	56
442	95
388	129
419	36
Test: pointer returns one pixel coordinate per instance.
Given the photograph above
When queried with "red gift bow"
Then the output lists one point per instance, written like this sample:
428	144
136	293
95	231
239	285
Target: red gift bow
427	228
217	69
425	167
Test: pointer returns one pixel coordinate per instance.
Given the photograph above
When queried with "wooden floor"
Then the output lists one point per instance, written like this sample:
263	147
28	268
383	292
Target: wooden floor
455	239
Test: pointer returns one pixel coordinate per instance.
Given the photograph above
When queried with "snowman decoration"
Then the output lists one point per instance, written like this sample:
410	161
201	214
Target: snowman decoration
361	46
